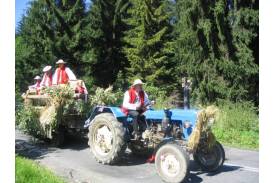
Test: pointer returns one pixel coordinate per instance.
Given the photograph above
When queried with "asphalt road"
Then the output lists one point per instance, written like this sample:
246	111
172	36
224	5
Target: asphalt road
75	164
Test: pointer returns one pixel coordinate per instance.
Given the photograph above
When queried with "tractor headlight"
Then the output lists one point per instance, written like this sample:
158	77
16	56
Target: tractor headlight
187	124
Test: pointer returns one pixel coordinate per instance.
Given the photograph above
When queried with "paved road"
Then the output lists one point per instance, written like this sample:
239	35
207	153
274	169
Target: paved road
75	163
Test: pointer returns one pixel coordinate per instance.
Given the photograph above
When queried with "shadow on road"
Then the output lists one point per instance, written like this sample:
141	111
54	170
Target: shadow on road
195	171
32	149
131	160
76	142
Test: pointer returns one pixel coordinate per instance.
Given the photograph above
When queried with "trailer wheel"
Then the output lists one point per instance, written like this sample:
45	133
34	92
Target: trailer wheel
106	139
210	160
172	163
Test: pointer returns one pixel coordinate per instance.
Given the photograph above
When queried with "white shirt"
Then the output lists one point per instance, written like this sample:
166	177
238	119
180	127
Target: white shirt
45	81
69	73
136	104
35	86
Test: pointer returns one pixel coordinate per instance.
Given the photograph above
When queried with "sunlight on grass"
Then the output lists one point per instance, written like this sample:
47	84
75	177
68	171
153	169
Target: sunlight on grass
28	171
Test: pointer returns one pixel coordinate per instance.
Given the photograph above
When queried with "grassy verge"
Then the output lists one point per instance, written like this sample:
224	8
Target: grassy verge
237	125
239	139
27	171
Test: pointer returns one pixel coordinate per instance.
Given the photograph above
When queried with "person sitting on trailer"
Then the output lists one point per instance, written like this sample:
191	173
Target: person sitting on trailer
47	77
81	90
36	86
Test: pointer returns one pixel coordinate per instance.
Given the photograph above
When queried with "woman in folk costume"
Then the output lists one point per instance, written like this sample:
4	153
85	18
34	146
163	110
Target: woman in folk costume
47	77
81	91
62	74
36	86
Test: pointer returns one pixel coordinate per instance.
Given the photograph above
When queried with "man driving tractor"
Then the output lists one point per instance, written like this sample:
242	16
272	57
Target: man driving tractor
135	103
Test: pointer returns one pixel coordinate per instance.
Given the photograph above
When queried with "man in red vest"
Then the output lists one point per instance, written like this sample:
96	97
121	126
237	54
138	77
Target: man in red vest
47	77
135	103
62	74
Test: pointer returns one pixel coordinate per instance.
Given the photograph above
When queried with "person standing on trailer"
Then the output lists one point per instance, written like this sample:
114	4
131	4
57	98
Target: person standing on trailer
62	74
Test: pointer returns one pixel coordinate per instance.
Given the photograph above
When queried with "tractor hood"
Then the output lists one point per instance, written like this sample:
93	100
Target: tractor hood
177	115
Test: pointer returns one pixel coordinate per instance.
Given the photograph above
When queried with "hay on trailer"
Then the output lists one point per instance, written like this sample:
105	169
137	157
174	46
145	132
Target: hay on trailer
52	114
204	120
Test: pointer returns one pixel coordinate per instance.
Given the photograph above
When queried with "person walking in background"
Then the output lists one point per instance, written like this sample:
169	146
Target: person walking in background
186	85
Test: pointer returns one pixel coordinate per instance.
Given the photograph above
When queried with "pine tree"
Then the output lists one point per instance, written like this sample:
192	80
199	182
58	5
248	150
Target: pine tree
105	30
149	43
215	47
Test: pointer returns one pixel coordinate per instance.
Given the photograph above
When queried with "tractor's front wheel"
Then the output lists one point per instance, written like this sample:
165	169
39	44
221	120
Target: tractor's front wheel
106	139
172	163
210	159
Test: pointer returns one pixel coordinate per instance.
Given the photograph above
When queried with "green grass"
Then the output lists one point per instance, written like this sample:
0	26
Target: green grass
28	171
239	139
237	125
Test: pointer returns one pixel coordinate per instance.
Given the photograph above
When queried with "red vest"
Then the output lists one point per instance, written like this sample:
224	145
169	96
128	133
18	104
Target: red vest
133	97
80	89
64	76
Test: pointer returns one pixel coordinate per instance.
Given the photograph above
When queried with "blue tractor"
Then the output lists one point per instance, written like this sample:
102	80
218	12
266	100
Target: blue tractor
164	136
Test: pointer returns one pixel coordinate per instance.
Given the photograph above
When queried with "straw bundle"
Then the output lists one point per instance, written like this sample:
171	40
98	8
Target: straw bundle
203	127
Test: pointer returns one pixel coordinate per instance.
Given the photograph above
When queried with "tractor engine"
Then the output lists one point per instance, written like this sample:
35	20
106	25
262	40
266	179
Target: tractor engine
153	135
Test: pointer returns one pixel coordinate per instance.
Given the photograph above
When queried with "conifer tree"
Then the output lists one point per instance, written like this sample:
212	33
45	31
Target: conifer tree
149	42
104	31
215	47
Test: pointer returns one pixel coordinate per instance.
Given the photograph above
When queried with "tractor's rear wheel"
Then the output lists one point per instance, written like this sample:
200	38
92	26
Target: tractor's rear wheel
106	139
172	163
210	160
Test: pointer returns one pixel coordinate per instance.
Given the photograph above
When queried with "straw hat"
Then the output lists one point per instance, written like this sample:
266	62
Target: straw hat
37	78
47	68
137	82
60	61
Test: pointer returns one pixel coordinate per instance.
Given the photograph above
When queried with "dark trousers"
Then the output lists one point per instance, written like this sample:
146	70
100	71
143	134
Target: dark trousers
138	118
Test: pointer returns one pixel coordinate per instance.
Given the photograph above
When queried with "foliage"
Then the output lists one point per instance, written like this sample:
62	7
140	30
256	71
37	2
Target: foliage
237	138
159	96
78	107
59	93
216	47
104	31
240	116
27	119
28	171
149	43
237	124
105	97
